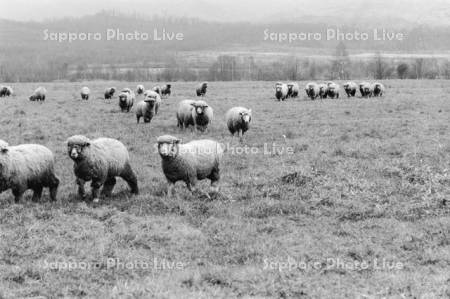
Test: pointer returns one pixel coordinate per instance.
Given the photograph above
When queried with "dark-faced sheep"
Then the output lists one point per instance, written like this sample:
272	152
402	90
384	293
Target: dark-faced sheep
312	90
148	107
323	90
100	161
190	162
378	89
166	90
85	92
332	90
238	120
140	89
365	89
196	113
126	100
350	88
27	166
201	89
109	92
281	91
6	91
293	90
39	94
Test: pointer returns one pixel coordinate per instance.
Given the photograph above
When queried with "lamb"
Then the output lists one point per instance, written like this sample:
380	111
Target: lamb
365	89
85	93
166	90
312	90
332	90
238	120
27	166
149	107
100	161
293	90
378	89
126	99
201	89
350	88
281	91
6	91
109	92
140	89
190	162
323	90
39	94
196	113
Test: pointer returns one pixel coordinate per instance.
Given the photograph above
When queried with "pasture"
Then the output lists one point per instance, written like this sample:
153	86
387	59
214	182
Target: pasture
333	198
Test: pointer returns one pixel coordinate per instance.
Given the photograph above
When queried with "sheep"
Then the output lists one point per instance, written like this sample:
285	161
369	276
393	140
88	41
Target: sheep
39	94
126	99
100	161
196	113
281	91
323	90
190	162
350	88
6	91
293	90
27	166
312	90
109	92
140	89
85	93
166	90
157	89
365	89
148	107
238	120
332	90
378	89
201	89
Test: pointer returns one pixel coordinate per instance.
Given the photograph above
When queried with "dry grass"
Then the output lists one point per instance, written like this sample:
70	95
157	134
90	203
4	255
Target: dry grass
368	180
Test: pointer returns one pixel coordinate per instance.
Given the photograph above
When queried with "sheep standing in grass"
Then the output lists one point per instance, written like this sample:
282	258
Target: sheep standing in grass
166	90
109	92
100	161
6	91
238	120
323	90
39	94
126	100
281	91
201	89
140	89
148	107
365	89
196	113
350	88
293	90
190	162
312	90
332	90
378	89
85	92
27	166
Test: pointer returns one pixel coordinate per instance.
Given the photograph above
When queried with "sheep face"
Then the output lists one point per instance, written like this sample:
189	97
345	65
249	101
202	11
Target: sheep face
168	150
199	108
123	98
246	116
75	148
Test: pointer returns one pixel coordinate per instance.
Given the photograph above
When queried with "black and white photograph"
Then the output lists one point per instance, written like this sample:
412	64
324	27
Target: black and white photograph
224	149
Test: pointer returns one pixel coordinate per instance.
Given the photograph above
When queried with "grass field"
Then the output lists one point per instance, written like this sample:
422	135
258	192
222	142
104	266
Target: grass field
358	208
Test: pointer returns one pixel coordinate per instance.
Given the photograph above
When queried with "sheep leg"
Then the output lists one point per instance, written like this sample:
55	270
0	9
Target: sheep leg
81	190
108	186
129	176
53	186
37	193
170	188
96	185
215	177
18	193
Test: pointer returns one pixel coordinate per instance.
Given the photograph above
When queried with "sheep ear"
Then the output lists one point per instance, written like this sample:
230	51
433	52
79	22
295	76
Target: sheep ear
177	141
4	150
87	144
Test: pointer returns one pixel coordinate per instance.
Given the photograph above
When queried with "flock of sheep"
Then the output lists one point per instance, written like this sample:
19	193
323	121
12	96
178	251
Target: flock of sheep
101	161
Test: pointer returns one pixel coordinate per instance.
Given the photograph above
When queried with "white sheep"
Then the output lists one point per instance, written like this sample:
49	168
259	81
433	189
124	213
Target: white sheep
365	88
39	94
293	90
6	91
350	88
238	120
126	99
332	90
378	89
196	113
166	90
109	92
148	107
140	89
85	92
323	90
281	91
312	90
201	89
190	162
27	166
100	161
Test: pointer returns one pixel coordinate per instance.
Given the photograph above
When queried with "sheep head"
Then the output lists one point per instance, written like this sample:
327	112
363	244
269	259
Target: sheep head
246	116
168	146
200	107
76	145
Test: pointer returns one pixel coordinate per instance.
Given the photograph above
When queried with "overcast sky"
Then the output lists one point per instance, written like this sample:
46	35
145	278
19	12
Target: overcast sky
233	10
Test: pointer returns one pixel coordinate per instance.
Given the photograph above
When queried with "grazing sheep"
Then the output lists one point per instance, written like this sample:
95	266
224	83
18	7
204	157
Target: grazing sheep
281	91
109	92
323	90
126	99
378	89
148	107
201	89
6	91
140	89
312	90
196	113
332	90
166	90
293	90
39	94
365	89
238	120
27	166
85	93
190	162
350	88
100	161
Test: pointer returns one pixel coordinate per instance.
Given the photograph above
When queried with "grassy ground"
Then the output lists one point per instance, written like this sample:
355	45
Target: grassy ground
359	208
